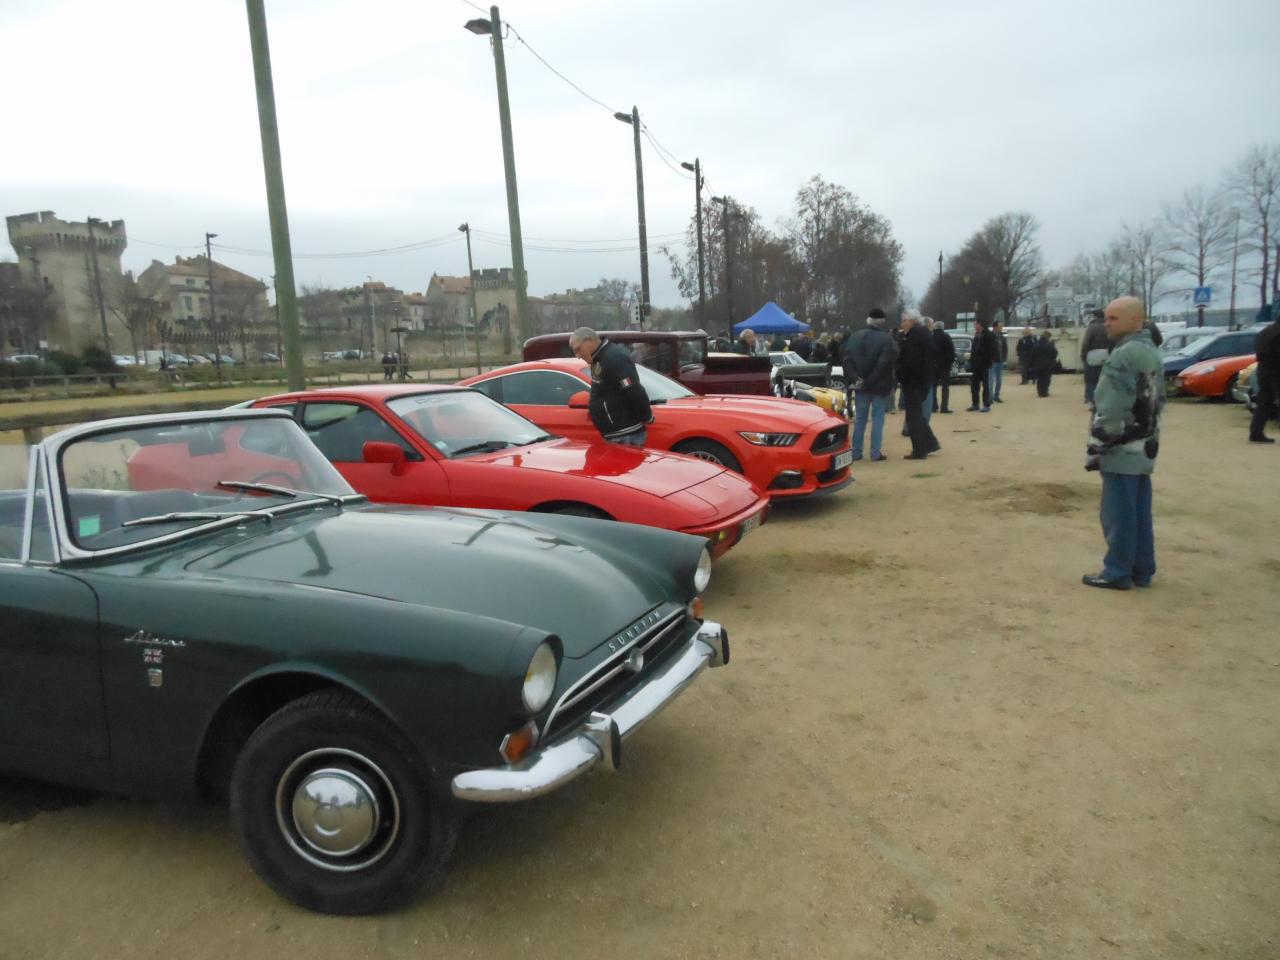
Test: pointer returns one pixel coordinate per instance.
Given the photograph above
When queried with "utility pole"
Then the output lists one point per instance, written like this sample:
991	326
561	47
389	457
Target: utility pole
1235	253
633	118
213	310
493	27
471	289
697	209
942	313
372	314
286	294
728	258
97	284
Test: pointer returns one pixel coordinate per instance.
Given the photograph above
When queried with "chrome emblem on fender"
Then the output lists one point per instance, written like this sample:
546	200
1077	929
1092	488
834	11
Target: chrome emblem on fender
142	636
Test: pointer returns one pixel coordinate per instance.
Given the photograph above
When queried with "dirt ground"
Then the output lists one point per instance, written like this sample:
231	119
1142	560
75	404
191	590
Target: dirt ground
932	741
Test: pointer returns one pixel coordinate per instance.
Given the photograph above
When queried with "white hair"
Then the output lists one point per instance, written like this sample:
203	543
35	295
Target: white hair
582	335
911	313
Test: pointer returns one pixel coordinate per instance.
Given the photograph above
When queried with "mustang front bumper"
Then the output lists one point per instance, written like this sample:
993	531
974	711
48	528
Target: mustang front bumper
598	739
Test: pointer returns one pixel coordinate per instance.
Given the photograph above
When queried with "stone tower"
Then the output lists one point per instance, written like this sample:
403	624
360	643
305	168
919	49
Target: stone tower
57	252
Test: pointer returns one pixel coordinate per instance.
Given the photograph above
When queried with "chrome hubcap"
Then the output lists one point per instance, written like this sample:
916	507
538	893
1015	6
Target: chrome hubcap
709	457
337	809
335	812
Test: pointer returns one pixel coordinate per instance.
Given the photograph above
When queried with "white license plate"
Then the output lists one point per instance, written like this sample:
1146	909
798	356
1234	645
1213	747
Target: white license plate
842	460
749	524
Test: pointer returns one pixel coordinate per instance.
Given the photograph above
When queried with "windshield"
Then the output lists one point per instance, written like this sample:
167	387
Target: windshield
659	388
464	422
1190	349
126	486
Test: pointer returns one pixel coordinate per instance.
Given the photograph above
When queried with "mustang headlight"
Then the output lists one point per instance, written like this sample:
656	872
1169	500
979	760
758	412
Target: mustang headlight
539	679
702	576
772	439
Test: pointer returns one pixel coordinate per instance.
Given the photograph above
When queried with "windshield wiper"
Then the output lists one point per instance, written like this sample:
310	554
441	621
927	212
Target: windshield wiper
333	498
485	446
181	515
538	439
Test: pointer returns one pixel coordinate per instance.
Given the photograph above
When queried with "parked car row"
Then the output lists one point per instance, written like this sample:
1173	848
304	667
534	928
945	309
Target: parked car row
353	612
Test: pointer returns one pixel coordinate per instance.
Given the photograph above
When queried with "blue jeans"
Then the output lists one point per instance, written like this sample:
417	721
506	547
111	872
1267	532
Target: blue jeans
636	439
995	378
863	404
1091	377
927	406
1126	525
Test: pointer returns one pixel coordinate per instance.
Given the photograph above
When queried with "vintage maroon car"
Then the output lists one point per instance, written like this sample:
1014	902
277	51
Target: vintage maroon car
787	448
444	445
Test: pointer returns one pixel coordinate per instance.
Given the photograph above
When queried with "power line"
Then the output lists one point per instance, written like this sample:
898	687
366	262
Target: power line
493	234
598	103
676	170
441	240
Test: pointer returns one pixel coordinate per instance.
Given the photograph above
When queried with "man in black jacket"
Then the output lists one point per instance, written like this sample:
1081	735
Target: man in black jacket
1026	347
1267	377
944	350
868	373
1044	360
981	355
619	407
1094	347
916	373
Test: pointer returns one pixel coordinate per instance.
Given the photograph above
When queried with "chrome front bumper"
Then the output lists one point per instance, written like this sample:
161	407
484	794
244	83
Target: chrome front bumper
598	739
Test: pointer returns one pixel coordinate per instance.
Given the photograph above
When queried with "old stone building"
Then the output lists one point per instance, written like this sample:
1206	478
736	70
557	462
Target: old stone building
449	305
59	254
182	287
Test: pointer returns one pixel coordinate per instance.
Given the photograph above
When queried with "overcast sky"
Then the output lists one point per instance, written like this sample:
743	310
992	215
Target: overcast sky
936	114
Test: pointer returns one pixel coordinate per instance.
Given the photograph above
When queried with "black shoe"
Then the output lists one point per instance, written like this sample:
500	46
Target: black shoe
1262	439
935	448
1090	580
996	400
946	411
970	409
916	456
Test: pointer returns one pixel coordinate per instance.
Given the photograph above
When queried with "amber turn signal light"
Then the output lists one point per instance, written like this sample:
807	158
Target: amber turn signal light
519	742
695	608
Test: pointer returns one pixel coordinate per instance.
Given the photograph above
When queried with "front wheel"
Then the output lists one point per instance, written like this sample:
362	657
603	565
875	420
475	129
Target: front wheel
335	811
1229	395
711	452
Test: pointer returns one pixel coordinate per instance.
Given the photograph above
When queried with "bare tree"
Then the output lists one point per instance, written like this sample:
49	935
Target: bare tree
618	293
1200	231
1146	248
238	309
1254	183
136	311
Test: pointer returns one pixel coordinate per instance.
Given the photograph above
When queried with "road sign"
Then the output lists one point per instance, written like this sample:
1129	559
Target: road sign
966	316
1203	296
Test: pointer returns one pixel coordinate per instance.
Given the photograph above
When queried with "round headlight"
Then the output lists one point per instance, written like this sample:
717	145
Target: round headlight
702	576
539	679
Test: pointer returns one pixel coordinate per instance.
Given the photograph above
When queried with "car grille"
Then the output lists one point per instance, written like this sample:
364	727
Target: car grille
827	476
829	440
613	677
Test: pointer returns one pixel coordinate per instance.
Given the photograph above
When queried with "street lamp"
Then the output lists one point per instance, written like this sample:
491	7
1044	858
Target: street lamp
471	289
493	29
213	310
696	167
633	118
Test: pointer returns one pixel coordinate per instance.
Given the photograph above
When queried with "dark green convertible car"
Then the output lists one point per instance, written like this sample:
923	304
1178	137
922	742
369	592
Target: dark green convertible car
200	603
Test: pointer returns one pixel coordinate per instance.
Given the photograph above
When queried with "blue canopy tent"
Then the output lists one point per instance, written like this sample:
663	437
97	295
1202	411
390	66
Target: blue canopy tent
769	319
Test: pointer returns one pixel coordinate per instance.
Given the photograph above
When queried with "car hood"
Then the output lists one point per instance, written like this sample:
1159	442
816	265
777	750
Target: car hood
582	580
653	471
1201	367
796	415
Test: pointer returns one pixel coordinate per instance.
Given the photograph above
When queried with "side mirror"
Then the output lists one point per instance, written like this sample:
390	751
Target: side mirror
580	400
378	451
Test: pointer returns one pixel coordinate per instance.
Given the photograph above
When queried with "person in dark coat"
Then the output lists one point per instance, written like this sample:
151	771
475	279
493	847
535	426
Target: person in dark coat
1044	360
997	365
944	355
818	352
802	345
868	372
1267	377
618	407
915	369
1094	347
1026	347
981	355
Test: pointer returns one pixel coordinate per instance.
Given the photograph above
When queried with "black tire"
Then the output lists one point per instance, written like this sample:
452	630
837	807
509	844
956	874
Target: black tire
1228	395
412	825
710	451
837	383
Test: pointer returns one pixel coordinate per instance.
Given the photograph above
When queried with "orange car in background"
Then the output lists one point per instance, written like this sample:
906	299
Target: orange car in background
1214	378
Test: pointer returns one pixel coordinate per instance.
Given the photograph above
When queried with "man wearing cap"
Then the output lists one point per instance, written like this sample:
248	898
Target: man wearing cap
1124	441
868	372
619	407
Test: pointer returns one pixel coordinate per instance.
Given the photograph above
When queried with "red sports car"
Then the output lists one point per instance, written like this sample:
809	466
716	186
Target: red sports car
450	446
787	448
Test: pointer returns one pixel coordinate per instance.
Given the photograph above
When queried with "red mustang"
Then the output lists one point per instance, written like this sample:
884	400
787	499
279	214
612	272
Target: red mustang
449	446
787	448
